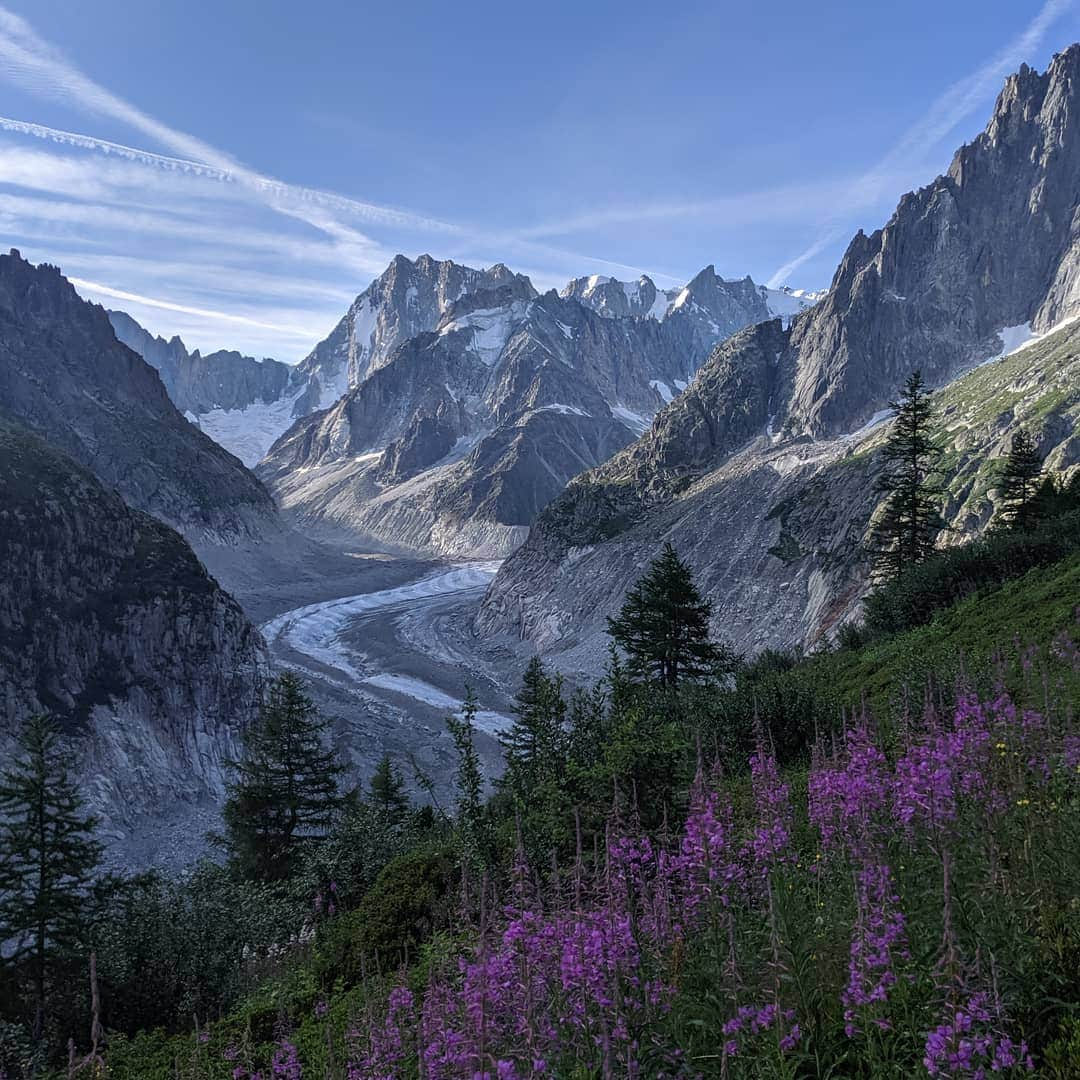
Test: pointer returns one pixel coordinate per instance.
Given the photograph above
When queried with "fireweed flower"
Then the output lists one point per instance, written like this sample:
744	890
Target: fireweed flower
286	1062
750	1021
707	866
770	845
969	1042
848	799
385	1054
944	767
880	940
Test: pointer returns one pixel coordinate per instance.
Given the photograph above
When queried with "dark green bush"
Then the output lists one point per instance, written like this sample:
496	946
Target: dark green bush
407	903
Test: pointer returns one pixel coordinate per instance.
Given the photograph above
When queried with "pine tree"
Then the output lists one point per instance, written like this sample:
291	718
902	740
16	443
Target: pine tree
535	743
663	626
469	780
910	519
285	793
387	790
1020	482
47	857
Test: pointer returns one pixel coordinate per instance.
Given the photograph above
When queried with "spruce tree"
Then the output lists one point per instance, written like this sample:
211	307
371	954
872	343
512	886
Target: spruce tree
663	626
469	781
534	744
387	790
47	857
1020	482
910	519
285	792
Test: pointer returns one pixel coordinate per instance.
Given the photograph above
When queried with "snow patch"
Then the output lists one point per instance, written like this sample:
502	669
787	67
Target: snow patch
637	423
663	390
249	432
659	305
876	420
491	329
564	409
786	303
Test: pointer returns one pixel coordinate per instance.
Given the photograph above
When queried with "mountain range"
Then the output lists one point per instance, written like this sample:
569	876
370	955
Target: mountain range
463	413
761	472
449	405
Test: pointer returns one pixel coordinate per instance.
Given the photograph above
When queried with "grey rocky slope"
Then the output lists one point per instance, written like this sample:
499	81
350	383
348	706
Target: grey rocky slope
455	442
989	247
233	398
410	297
109	623
64	375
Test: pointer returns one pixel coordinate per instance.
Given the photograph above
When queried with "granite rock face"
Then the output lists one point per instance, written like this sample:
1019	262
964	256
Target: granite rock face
455	441
64	375
755	471
109	623
410	297
200	384
989	245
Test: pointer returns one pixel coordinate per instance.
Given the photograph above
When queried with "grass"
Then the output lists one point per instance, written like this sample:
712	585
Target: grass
969	637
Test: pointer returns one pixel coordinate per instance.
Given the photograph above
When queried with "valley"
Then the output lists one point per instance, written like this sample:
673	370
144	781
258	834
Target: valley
388	650
617	661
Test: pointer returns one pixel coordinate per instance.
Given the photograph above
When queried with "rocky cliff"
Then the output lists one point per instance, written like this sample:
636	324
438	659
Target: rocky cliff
408	298
109	622
64	375
751	472
229	396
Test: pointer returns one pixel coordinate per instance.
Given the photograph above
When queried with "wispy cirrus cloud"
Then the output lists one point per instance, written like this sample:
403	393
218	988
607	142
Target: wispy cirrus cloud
34	64
943	116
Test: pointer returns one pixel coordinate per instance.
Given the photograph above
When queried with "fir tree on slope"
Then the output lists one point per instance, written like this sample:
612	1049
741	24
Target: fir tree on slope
535	743
387	790
47	857
910	520
469	780
1020	482
285	793
663	626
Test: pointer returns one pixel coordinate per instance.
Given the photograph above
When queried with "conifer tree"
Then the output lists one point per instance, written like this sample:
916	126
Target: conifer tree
387	789
910	519
1020	482
285	792
535	743
469	780
47	857
663	626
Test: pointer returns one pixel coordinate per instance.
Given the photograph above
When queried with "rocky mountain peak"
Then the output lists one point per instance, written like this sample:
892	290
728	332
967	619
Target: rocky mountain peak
991	244
66	377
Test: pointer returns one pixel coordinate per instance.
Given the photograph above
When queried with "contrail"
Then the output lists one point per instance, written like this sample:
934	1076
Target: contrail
33	63
205	313
130	153
953	106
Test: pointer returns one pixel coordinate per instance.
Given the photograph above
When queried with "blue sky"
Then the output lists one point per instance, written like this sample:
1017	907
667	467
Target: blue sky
242	169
